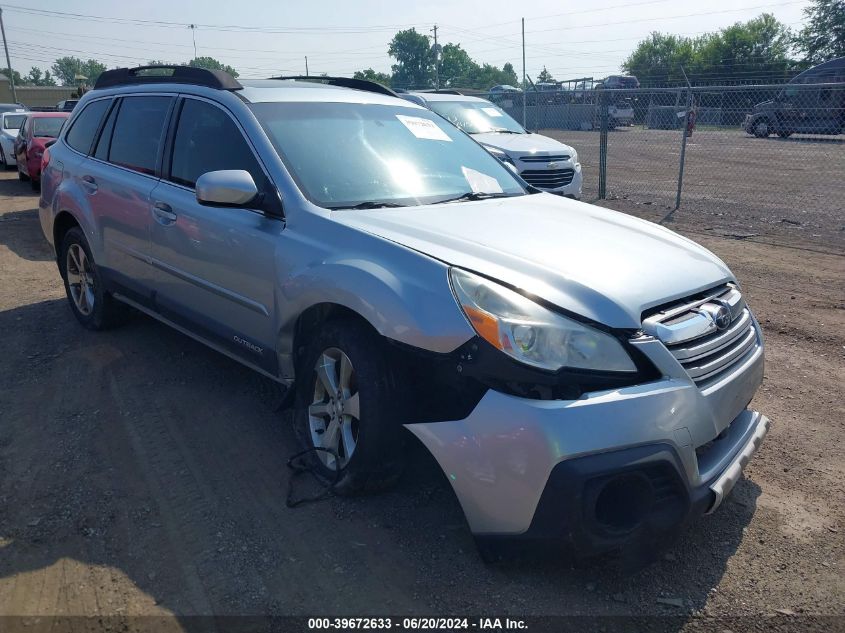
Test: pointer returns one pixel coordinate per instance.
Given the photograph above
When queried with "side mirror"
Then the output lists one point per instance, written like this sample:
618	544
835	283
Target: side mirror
228	187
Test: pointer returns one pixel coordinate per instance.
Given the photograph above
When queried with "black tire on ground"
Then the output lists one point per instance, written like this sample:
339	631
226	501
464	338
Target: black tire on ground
784	134
761	128
377	459
22	176
35	184
107	311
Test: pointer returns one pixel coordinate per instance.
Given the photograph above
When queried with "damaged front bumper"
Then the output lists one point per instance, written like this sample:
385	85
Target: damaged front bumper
607	469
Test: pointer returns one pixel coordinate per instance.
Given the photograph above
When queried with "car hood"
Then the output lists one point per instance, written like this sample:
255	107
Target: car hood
601	264
522	143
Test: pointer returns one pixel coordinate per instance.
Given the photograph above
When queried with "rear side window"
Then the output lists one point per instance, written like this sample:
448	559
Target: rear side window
138	133
13	122
81	135
207	139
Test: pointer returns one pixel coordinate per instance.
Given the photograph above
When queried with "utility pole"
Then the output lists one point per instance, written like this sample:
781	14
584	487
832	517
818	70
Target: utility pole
8	61
193	28
524	81
306	65
436	61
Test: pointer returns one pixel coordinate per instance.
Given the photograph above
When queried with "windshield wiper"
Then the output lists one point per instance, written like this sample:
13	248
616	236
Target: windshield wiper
502	130
369	204
474	195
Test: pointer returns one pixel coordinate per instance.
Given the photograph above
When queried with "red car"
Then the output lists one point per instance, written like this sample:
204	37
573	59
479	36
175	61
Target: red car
39	129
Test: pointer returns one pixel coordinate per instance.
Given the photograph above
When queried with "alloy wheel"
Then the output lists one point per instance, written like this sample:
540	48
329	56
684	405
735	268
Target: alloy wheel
334	413
80	279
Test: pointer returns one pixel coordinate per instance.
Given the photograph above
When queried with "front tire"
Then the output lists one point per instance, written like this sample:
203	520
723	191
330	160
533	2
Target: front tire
346	409
92	306
761	128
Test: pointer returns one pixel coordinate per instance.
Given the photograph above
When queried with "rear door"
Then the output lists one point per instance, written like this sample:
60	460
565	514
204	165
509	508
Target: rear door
215	266
118	179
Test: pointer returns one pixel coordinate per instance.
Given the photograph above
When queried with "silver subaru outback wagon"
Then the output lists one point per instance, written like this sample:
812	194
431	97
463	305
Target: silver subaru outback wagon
581	376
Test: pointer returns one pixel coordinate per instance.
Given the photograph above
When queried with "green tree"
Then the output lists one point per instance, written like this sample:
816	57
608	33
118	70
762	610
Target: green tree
756	50
823	37
66	69
414	67
545	76
209	63
457	68
658	59
372	75
37	77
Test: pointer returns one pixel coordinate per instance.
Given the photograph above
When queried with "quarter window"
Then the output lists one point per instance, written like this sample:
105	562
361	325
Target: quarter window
207	139
81	135
138	133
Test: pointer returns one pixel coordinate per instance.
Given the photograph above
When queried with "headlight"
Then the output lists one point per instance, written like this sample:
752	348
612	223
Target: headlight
574	156
500	155
532	334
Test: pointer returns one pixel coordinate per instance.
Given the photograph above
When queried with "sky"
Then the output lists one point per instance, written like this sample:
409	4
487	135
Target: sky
264	38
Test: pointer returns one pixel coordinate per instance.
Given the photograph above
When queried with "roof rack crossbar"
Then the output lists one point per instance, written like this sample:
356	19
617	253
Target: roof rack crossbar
178	75
345	82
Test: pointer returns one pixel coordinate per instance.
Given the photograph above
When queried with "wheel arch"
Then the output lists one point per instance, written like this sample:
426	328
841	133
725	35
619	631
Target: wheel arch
63	222
414	307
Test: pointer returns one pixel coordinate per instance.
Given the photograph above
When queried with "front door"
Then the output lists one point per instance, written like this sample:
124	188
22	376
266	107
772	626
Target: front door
215	266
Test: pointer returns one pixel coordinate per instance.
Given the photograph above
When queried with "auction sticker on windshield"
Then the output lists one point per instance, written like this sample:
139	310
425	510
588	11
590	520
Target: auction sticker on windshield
481	183
423	128
491	112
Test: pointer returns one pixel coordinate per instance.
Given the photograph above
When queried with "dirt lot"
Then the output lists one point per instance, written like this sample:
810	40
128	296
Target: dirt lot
140	473
788	189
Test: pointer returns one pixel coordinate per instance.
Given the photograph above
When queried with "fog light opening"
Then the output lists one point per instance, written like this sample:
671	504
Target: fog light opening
624	502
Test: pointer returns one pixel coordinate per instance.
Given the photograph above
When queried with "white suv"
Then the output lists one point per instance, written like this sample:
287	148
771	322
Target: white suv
541	161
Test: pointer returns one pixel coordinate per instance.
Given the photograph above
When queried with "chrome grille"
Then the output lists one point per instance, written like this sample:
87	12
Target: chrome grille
690	332
544	159
548	178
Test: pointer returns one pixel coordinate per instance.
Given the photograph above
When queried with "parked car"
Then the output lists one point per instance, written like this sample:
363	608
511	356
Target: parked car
801	107
617	81
505	89
13	107
36	131
581	375
539	160
620	113
10	123
67	105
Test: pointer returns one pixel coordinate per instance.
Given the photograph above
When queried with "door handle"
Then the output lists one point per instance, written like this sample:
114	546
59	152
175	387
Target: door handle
89	183
164	213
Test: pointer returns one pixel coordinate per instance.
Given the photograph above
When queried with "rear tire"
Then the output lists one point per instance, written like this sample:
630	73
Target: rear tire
346	403
784	134
35	184
22	176
92	306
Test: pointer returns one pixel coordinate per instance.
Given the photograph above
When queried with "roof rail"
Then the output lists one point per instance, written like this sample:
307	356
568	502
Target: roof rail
345	82
178	75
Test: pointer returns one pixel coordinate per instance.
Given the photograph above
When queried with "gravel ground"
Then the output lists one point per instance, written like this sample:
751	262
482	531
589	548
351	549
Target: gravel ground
785	189
141	474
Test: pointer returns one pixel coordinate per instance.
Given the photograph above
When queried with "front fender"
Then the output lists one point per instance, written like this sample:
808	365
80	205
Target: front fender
403	294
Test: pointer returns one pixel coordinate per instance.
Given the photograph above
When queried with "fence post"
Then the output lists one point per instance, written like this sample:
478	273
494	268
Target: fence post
683	149
603	146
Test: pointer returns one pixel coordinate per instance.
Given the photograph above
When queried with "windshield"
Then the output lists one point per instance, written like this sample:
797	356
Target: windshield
350	154
47	126
13	122
476	117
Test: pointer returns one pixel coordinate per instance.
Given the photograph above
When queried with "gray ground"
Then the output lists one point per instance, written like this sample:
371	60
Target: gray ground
787	189
141	474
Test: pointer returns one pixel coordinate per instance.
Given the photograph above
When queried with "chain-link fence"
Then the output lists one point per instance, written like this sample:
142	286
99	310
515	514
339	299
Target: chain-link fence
777	150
